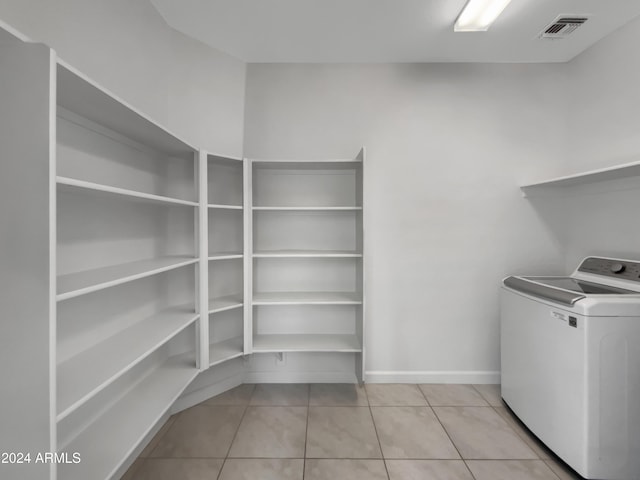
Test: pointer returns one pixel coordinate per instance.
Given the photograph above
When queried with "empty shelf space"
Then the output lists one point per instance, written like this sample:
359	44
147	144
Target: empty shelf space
306	343
82	376
227	302
81	95
226	350
72	184
108	441
224	207
309	209
80	283
305	253
307	298
225	255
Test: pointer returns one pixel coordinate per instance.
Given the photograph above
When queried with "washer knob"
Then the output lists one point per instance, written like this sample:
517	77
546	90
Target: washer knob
617	268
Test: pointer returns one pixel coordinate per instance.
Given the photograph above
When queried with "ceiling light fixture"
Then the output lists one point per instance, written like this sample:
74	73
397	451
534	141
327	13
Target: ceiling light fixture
478	15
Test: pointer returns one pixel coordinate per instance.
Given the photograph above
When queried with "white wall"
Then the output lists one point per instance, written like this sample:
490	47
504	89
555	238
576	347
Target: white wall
125	46
604	124
447	146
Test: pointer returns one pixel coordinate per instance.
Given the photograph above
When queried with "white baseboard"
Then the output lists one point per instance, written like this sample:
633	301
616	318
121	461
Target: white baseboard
474	376
375	376
205	393
300	377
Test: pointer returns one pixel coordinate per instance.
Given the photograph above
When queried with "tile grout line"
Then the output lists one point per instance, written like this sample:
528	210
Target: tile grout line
447	433
306	432
375	429
244	412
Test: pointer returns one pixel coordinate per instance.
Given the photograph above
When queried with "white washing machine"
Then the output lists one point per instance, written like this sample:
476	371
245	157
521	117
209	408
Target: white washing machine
570	351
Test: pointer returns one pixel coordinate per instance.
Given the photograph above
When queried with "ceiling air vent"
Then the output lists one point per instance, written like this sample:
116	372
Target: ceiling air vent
563	26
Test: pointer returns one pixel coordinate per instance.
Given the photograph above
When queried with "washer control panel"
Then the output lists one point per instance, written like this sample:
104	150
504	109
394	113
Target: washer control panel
622	269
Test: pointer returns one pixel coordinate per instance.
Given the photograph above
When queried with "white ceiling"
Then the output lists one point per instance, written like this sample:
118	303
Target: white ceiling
314	31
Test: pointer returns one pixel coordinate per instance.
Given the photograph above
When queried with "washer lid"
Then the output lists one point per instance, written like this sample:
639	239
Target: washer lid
580	286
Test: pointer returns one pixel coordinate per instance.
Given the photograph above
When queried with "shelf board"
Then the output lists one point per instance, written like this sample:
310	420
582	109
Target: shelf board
224	207
225	256
310	209
320	161
227	302
307	298
306	254
305	343
308	165
74	185
592	176
226	350
84	375
113	437
80	283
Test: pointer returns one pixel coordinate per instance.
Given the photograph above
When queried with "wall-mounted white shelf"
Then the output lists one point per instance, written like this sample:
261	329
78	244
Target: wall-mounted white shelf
223	303
105	444
308	209
227	350
585	178
225	256
80	283
306	343
337	163
84	375
307	254
224	207
306	298
73	185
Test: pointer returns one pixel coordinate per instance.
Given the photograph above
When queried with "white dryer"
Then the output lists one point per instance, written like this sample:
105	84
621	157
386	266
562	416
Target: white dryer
570	352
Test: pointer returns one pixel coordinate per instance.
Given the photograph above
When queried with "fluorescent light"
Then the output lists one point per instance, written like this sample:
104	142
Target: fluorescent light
478	15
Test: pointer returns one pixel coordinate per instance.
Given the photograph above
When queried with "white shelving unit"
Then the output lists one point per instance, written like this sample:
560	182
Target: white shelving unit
134	261
617	172
101	269
306	249
226	243
126	215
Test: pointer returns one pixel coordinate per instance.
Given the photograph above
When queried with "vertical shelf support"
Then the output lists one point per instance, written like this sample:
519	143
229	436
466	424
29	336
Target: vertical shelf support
247	202
360	276
203	263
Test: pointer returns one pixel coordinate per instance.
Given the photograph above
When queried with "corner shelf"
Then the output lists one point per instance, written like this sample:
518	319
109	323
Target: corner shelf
279	343
226	350
585	178
106	443
227	302
224	207
225	256
84	375
75	284
74	185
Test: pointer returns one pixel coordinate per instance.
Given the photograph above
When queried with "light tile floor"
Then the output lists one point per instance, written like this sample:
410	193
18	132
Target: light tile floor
342	431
